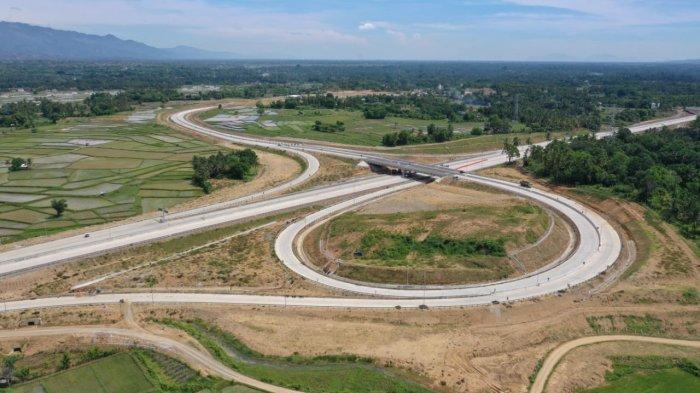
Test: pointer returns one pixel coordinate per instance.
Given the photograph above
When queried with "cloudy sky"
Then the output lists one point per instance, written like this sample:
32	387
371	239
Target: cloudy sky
389	29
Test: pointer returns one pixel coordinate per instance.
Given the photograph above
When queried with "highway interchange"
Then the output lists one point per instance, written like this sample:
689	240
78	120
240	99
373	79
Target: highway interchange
597	250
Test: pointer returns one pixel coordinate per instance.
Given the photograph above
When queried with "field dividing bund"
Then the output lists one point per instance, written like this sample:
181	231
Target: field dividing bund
105	168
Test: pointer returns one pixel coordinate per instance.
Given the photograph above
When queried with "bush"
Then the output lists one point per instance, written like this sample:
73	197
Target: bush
328	127
375	112
476	131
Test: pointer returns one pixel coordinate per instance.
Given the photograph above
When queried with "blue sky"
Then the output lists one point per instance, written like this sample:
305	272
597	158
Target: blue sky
620	30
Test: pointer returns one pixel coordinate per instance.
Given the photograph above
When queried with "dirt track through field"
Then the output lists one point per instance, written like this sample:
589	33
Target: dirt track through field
558	353
190	355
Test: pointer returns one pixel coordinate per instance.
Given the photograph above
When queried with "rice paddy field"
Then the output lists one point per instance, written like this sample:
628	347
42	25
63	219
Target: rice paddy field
118	373
106	168
359	131
126	372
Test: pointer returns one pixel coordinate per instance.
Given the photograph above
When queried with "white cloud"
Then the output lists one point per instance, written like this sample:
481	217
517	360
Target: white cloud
391	29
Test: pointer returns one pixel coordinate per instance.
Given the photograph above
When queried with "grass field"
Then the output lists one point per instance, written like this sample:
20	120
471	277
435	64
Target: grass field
666	381
293	123
115	374
472	144
443	246
358	130
105	168
650	374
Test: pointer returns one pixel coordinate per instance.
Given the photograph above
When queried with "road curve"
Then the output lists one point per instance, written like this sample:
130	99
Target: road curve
559	352
597	250
190	355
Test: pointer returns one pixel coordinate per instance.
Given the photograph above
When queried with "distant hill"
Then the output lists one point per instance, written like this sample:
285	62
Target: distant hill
21	41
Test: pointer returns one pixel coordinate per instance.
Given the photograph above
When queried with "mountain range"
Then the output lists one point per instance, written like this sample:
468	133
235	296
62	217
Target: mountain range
21	41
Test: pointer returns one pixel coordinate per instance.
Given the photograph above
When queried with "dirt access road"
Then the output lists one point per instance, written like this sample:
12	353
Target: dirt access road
558	353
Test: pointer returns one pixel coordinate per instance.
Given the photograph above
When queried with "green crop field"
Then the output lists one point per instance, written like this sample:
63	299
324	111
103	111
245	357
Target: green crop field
651	374
115	374
104	167
358	130
667	381
137	370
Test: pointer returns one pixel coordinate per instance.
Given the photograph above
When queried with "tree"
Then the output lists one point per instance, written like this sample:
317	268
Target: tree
261	108
390	139
510	149
17	164
496	125
376	111
59	205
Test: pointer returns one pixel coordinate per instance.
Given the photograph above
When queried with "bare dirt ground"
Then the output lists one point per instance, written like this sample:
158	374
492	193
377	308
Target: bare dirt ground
62	316
438	196
473	349
245	263
332	170
492	348
585	367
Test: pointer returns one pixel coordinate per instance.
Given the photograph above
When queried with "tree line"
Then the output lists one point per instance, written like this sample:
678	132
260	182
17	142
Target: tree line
28	114
379	106
660	169
433	134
